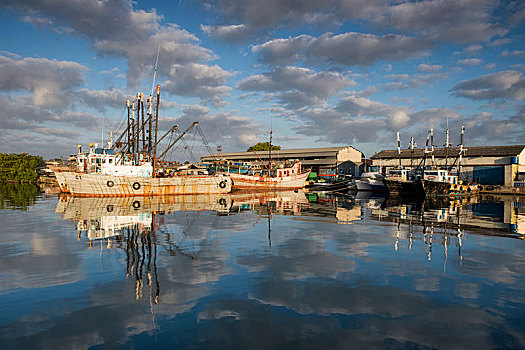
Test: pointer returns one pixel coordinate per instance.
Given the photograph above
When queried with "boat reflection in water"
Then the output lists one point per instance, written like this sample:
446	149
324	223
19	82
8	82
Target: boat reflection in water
139	225
273	270
123	223
484	215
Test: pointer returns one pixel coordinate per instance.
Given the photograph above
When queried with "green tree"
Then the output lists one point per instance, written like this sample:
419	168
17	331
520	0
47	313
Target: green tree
263	146
19	167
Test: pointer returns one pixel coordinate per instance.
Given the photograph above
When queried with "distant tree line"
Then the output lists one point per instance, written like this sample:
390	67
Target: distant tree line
263	146
20	167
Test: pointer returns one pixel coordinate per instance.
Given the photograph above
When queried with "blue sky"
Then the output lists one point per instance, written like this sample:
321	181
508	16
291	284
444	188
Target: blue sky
319	73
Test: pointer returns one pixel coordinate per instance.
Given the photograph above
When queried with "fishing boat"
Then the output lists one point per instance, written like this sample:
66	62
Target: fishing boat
286	176
438	181
401	182
371	181
135	170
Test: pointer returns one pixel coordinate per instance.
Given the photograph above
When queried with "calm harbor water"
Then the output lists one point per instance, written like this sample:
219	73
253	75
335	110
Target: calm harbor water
268	270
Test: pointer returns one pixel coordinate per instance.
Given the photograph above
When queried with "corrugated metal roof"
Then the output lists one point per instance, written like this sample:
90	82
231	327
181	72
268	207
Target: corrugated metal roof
486	151
284	153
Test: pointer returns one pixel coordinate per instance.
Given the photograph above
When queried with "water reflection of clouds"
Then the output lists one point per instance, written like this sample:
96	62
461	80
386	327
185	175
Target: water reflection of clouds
35	252
381	316
248	280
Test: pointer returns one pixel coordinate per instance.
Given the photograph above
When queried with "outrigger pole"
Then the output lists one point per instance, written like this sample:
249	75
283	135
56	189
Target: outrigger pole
177	139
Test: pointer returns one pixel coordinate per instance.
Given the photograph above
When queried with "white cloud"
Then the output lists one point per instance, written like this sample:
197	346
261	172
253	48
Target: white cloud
505	84
194	79
115	29
429	67
231	33
469	62
102	99
460	21
297	86
283	51
513	53
342	49
49	81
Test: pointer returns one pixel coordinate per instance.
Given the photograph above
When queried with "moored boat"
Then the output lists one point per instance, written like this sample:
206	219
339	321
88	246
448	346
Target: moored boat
135	170
438	182
371	181
284	177
100	185
399	182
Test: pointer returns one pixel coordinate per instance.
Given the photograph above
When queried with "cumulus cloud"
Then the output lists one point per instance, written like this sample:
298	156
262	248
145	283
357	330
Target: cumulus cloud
296	86
428	67
513	53
115	29
469	62
24	122
365	49
206	82
465	21
510	128
230	33
283	51
396	117
102	99
48	80
406	81
342	49
333	126
434	117
505	84
227	129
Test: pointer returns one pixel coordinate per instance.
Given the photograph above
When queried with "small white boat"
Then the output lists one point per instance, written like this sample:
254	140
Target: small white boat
371	181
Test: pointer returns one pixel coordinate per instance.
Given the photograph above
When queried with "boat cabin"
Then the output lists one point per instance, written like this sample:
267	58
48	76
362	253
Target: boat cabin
288	169
400	174
104	161
440	175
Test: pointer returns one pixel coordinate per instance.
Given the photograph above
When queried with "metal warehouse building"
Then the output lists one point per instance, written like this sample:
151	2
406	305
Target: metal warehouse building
344	160
490	165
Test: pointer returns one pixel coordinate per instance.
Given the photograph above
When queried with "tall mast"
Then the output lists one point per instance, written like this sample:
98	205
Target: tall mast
143	123
411	151
432	146
270	148
460	148
128	105
399	149
426	152
447	145
156	129
133	132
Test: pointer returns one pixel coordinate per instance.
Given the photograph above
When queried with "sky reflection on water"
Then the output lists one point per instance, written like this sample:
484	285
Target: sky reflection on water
262	271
